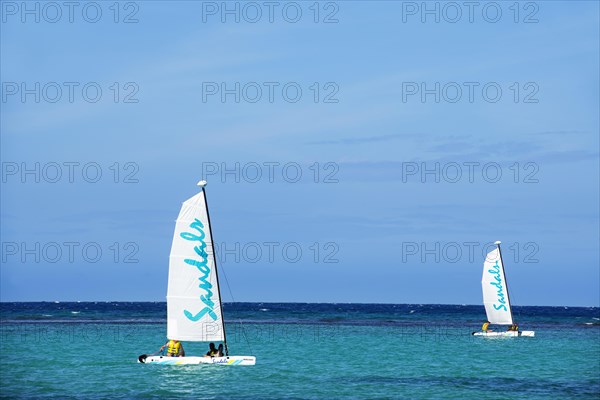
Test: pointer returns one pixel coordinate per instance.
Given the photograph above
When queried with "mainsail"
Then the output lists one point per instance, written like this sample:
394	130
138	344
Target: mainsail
193	299
495	289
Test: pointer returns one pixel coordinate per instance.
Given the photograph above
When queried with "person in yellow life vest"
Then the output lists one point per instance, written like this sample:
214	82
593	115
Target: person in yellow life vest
485	325
174	348
513	327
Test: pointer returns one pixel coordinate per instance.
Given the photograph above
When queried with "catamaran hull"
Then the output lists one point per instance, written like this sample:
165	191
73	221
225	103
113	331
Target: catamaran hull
231	360
505	334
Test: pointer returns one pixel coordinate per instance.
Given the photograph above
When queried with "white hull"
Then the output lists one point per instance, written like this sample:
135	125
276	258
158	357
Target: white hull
505	334
231	360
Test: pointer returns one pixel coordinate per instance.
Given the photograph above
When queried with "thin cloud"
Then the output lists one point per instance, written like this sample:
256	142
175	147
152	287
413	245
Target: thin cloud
365	139
560	133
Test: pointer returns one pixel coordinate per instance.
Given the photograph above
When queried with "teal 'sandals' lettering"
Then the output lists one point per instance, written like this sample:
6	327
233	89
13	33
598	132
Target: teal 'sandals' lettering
495	271
202	265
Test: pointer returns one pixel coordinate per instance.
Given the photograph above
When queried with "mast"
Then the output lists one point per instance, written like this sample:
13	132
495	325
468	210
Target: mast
203	184
497	243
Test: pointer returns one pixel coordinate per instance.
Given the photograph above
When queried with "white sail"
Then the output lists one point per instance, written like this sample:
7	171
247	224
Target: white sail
193	304
495	291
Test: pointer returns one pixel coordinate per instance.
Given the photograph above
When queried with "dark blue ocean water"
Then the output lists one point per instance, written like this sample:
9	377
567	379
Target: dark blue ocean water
89	350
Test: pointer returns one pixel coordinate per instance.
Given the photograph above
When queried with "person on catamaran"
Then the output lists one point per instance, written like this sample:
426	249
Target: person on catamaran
513	327
174	348
485	325
215	352
212	351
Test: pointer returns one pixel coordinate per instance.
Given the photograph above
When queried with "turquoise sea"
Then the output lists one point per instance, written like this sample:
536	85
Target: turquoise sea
89	350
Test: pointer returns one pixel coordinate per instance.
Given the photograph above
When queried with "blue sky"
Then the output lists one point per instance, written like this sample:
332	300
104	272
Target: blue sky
394	233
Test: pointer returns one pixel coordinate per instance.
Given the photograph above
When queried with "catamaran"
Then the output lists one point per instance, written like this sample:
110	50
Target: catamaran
194	308
495	296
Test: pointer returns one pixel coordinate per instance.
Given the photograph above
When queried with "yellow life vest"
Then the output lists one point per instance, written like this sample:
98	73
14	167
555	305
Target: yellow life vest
485	326
174	347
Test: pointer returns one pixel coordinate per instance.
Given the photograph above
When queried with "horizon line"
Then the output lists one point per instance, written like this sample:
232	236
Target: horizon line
293	302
